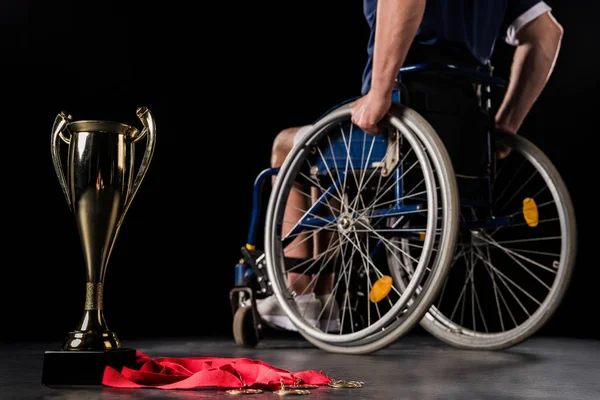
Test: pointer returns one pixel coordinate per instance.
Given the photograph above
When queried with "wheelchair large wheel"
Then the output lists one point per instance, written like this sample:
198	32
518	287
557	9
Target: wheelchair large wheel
374	190
509	274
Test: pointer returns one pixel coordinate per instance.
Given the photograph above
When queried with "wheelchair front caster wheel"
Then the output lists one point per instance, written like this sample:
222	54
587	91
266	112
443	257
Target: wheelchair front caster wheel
245	331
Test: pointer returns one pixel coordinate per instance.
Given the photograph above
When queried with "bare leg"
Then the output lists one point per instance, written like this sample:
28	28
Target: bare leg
302	247
329	315
297	204
324	283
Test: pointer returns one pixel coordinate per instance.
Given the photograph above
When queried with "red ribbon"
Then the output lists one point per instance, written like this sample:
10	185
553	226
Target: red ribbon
206	372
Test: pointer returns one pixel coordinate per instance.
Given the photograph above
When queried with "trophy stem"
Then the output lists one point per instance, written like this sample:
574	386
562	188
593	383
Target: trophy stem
92	332
93	296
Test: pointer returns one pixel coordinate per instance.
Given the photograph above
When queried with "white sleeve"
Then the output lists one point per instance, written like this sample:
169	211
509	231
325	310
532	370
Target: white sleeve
525	18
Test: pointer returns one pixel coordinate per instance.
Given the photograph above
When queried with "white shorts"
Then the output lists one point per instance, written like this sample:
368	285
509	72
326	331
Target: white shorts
301	133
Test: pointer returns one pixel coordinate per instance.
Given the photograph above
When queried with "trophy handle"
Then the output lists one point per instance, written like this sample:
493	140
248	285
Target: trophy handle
149	130
58	129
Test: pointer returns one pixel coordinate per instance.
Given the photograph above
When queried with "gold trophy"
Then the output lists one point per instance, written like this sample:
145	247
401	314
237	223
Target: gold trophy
99	188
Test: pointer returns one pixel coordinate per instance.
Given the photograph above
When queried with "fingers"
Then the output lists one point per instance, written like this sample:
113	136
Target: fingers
372	130
363	121
502	151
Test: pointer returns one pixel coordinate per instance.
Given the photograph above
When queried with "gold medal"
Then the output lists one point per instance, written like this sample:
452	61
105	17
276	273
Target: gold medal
339	383
302	386
286	392
244	391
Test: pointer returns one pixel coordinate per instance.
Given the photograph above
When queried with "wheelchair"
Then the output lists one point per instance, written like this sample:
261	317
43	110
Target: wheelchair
479	270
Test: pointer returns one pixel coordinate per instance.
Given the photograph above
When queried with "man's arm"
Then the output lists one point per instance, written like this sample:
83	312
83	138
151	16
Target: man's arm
538	46
397	23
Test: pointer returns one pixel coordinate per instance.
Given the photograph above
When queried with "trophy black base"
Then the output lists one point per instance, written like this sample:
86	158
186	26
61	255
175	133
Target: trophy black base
83	367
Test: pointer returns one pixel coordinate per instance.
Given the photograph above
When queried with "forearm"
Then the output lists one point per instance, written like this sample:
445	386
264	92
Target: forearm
531	68
396	27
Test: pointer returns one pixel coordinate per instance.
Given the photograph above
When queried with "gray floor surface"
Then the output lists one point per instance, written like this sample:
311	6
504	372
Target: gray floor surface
413	368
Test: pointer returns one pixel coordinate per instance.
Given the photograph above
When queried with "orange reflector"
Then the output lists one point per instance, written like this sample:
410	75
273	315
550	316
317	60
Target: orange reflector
422	236
530	212
380	289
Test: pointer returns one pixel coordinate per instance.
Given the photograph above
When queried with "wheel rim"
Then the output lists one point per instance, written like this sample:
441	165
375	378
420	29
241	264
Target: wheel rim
449	217
523	287
273	243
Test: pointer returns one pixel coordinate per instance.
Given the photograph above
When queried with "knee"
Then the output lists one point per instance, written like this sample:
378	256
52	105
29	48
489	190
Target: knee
282	145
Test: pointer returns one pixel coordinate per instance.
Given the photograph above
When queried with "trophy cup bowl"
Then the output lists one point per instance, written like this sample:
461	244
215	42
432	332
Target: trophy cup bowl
99	187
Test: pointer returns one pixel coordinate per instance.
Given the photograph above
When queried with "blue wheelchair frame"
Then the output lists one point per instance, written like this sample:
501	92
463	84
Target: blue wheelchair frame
379	147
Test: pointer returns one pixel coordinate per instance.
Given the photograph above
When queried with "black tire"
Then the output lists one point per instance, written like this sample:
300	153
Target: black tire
465	337
244	331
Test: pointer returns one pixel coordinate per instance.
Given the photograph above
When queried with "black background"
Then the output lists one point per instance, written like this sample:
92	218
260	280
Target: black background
221	79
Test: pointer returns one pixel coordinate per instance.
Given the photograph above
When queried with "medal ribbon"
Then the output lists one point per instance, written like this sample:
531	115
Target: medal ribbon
206	372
